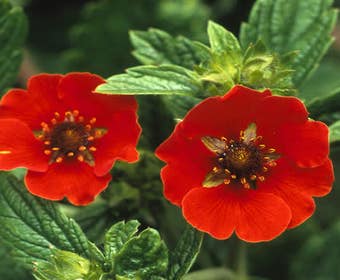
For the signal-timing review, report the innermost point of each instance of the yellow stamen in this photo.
(81, 119)
(54, 121)
(59, 159)
(80, 158)
(82, 148)
(272, 163)
(215, 169)
(47, 152)
(88, 127)
(253, 177)
(233, 176)
(93, 149)
(90, 138)
(243, 181)
(55, 149)
(227, 171)
(47, 142)
(262, 146)
(70, 154)
(5, 152)
(57, 115)
(271, 150)
(246, 186)
(75, 113)
(265, 169)
(261, 178)
(226, 181)
(93, 120)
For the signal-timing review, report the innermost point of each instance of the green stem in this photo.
(241, 269)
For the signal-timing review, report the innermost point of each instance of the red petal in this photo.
(188, 160)
(77, 90)
(219, 211)
(35, 105)
(262, 217)
(277, 110)
(297, 185)
(224, 116)
(19, 147)
(119, 143)
(306, 144)
(75, 181)
(214, 211)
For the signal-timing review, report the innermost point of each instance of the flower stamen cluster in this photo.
(245, 160)
(70, 137)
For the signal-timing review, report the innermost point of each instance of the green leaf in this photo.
(185, 253)
(180, 105)
(13, 30)
(324, 104)
(334, 132)
(221, 40)
(142, 257)
(117, 236)
(290, 25)
(32, 226)
(319, 257)
(157, 47)
(163, 80)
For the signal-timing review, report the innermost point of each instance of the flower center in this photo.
(245, 160)
(70, 137)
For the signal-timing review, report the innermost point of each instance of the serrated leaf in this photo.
(180, 105)
(324, 104)
(185, 253)
(334, 132)
(13, 31)
(162, 80)
(309, 30)
(32, 226)
(157, 47)
(222, 40)
(117, 236)
(143, 257)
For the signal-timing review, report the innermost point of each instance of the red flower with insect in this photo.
(66, 135)
(247, 162)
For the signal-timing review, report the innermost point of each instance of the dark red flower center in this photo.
(244, 160)
(70, 137)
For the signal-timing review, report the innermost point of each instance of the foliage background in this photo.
(78, 35)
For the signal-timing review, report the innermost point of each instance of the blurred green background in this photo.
(78, 35)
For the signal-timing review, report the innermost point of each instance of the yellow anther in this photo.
(82, 148)
(75, 113)
(233, 176)
(215, 169)
(93, 120)
(68, 114)
(43, 124)
(57, 115)
(88, 127)
(47, 142)
(59, 159)
(266, 158)
(5, 152)
(253, 177)
(261, 178)
(227, 171)
(265, 169)
(243, 181)
(226, 181)
(81, 119)
(231, 141)
(80, 158)
(47, 152)
(258, 138)
(272, 163)
(55, 149)
(220, 159)
(271, 150)
(246, 186)
(54, 121)
(93, 149)
(90, 138)
(70, 154)
(262, 146)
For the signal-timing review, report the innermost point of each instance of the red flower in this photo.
(67, 136)
(247, 162)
